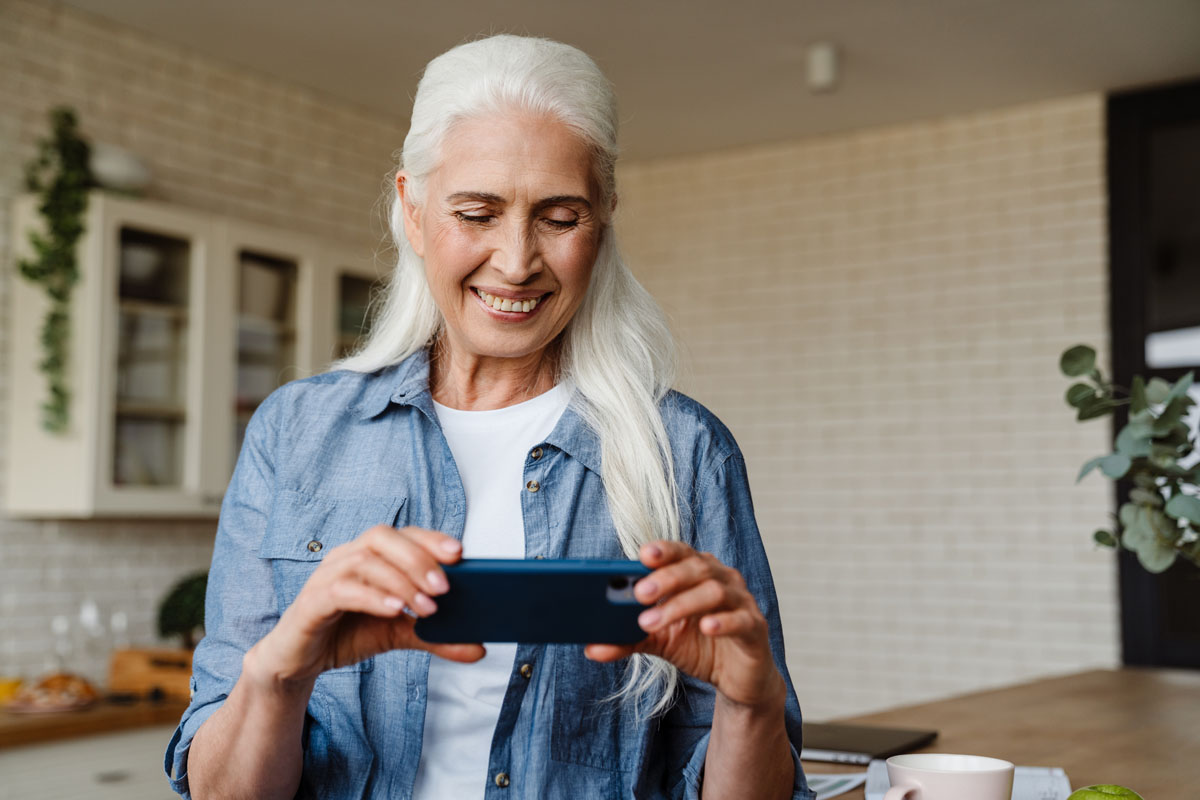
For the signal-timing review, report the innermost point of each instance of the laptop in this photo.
(859, 744)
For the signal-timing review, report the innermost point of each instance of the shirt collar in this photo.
(407, 383)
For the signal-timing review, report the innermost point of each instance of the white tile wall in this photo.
(876, 315)
(217, 138)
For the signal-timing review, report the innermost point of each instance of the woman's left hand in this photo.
(703, 619)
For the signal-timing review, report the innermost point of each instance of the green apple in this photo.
(1104, 792)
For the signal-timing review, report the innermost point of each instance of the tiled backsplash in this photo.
(217, 138)
(877, 316)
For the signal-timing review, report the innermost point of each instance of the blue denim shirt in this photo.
(328, 457)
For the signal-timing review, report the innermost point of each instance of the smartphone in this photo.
(567, 601)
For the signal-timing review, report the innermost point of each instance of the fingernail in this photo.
(649, 619)
(655, 551)
(437, 580)
(451, 546)
(393, 602)
(424, 603)
(647, 588)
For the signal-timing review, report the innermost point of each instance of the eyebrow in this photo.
(488, 197)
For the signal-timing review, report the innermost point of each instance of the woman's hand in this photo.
(351, 608)
(704, 620)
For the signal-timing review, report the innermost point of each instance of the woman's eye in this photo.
(476, 218)
(562, 223)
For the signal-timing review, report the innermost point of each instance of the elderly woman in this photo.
(513, 400)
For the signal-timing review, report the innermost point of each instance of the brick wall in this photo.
(218, 138)
(876, 315)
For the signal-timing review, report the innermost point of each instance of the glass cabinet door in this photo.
(354, 297)
(152, 359)
(266, 332)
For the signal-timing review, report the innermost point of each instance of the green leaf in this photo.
(1181, 386)
(1128, 515)
(1096, 408)
(1115, 466)
(1137, 395)
(1088, 467)
(1157, 391)
(1078, 360)
(1134, 440)
(1170, 416)
(1146, 497)
(1104, 538)
(1079, 395)
(1184, 506)
(1156, 557)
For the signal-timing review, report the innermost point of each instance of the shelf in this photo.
(151, 411)
(255, 324)
(153, 309)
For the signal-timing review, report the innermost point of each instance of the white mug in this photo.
(938, 776)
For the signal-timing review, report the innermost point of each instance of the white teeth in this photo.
(505, 304)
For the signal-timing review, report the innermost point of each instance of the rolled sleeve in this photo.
(723, 524)
(240, 604)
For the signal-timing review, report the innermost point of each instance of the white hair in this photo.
(617, 351)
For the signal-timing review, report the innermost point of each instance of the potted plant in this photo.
(1160, 520)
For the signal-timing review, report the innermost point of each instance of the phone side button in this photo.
(526, 671)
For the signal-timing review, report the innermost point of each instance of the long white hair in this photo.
(617, 351)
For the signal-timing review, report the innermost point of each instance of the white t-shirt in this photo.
(489, 448)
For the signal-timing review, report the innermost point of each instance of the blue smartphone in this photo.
(568, 601)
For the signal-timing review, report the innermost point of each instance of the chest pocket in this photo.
(303, 528)
(588, 730)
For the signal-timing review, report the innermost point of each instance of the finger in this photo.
(462, 653)
(375, 571)
(741, 623)
(605, 653)
(704, 598)
(445, 549)
(663, 552)
(348, 594)
(405, 551)
(675, 578)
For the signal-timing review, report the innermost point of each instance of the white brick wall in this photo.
(217, 138)
(878, 318)
(876, 315)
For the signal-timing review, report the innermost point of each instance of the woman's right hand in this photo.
(351, 608)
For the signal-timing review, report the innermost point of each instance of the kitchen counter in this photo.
(104, 717)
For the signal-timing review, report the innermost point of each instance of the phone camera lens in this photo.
(619, 583)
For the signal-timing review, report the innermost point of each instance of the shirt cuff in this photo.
(175, 760)
(693, 773)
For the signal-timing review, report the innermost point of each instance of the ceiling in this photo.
(695, 75)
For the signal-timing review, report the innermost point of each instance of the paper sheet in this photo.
(827, 786)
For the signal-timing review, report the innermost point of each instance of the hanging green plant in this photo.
(61, 175)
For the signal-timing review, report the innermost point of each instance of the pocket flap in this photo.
(303, 527)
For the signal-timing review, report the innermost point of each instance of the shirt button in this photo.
(536, 454)
(502, 779)
(527, 671)
(533, 486)
(314, 546)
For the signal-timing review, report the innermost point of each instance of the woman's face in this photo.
(509, 232)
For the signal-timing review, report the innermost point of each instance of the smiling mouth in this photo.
(506, 304)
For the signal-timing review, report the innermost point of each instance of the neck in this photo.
(480, 383)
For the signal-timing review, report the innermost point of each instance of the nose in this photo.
(517, 256)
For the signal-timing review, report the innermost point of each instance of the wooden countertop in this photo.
(1135, 727)
(104, 717)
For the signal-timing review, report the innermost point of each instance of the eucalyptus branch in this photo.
(1161, 520)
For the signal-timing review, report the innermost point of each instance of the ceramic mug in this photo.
(938, 776)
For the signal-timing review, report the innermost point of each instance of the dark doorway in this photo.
(1154, 248)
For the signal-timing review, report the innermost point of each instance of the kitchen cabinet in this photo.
(181, 324)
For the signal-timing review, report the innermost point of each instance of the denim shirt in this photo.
(328, 457)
